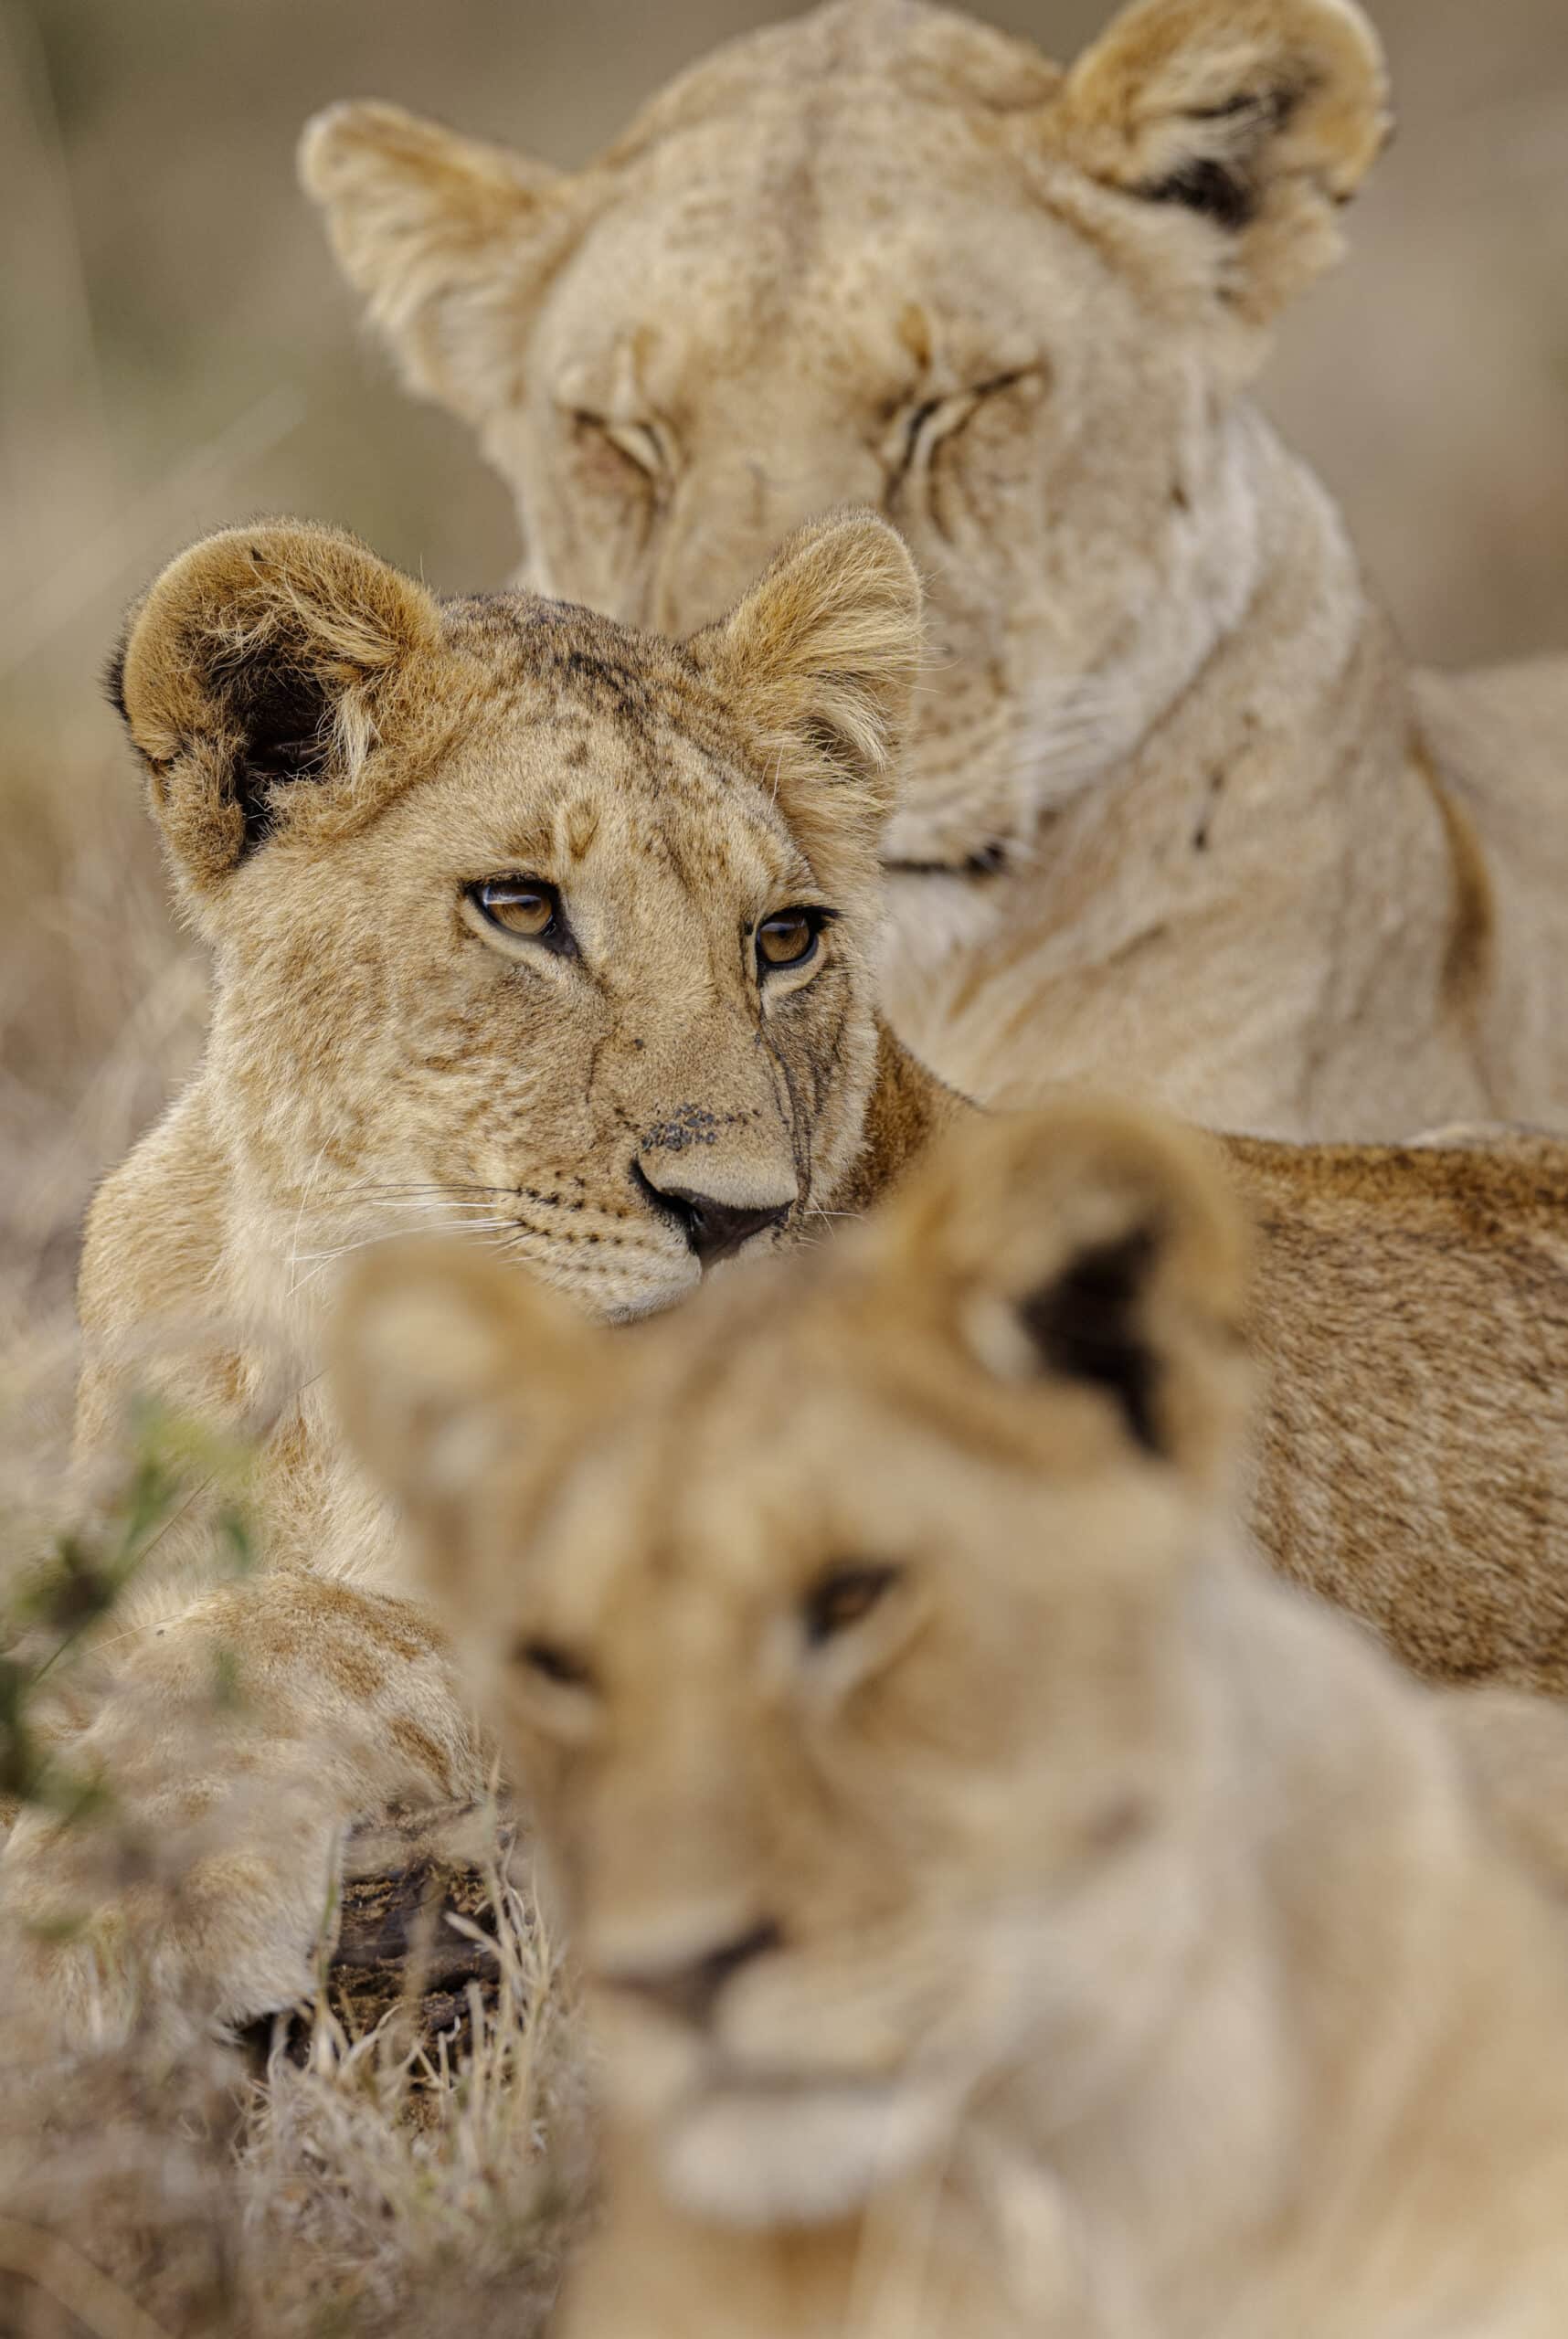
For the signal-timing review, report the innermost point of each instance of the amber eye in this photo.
(552, 1663)
(841, 1598)
(525, 906)
(787, 938)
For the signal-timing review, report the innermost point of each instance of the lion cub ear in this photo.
(1258, 118)
(261, 660)
(451, 1371)
(445, 236)
(818, 663)
(1091, 1247)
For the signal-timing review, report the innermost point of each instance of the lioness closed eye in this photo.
(950, 1811)
(1176, 810)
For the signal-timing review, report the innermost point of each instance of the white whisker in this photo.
(300, 1214)
(436, 1206)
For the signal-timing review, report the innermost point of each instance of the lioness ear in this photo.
(1258, 117)
(261, 658)
(1091, 1245)
(444, 1362)
(819, 662)
(445, 236)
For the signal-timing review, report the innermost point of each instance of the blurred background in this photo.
(176, 351)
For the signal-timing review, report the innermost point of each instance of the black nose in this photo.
(713, 1230)
(689, 1991)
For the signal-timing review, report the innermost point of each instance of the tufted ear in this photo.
(818, 663)
(446, 237)
(448, 1367)
(261, 658)
(1087, 1245)
(1257, 118)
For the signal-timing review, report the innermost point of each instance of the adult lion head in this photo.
(884, 254)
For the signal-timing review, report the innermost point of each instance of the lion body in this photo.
(380, 1056)
(1184, 817)
(1005, 1908)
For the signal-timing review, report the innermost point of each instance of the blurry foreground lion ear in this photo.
(256, 676)
(1086, 1246)
(1257, 118)
(447, 239)
(820, 659)
(444, 1362)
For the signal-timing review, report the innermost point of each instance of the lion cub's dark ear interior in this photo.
(1088, 1322)
(1086, 1246)
(1257, 117)
(261, 658)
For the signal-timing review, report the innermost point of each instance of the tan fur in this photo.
(1178, 815)
(1083, 1886)
(1412, 1318)
(333, 756)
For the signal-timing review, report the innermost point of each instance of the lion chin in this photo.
(759, 2154)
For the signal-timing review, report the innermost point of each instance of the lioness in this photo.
(525, 924)
(1177, 813)
(942, 1801)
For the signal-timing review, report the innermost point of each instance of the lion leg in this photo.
(237, 1745)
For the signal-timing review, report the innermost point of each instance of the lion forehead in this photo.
(653, 832)
(828, 211)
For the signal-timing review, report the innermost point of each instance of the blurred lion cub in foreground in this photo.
(1007, 1907)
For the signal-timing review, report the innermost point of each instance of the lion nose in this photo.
(690, 1990)
(713, 1230)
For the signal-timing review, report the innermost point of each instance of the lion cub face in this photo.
(523, 922)
(837, 1630)
(887, 254)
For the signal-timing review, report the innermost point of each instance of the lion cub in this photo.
(1007, 1908)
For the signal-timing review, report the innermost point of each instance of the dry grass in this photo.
(356, 2170)
(369, 2192)
(173, 353)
